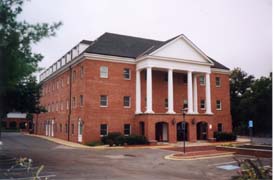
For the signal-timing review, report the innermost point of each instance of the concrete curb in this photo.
(198, 157)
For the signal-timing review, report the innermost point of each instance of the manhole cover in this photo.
(228, 167)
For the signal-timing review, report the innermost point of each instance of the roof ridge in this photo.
(131, 36)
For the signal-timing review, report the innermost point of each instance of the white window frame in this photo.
(201, 104)
(166, 103)
(101, 130)
(106, 101)
(202, 83)
(128, 102)
(218, 108)
(218, 85)
(103, 72)
(129, 73)
(128, 129)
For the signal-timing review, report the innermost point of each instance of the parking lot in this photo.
(70, 163)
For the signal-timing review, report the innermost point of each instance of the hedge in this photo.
(116, 138)
(225, 136)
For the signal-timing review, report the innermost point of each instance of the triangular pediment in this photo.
(181, 48)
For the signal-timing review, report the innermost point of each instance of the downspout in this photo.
(69, 113)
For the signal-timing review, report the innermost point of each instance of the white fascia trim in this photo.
(108, 58)
(189, 42)
(172, 59)
(222, 71)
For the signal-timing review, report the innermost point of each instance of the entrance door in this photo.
(161, 132)
(80, 130)
(202, 131)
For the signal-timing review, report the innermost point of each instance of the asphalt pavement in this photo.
(121, 164)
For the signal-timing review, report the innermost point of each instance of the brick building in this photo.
(133, 85)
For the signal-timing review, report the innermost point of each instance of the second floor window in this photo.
(126, 101)
(73, 75)
(166, 103)
(202, 104)
(202, 80)
(73, 102)
(127, 73)
(185, 103)
(103, 101)
(82, 71)
(218, 105)
(103, 72)
(81, 100)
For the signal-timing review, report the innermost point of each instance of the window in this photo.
(72, 129)
(81, 100)
(202, 104)
(60, 127)
(62, 105)
(57, 106)
(104, 129)
(82, 71)
(126, 101)
(218, 105)
(67, 104)
(66, 130)
(166, 103)
(103, 72)
(185, 104)
(68, 80)
(220, 127)
(73, 102)
(202, 80)
(126, 73)
(103, 101)
(74, 75)
(62, 83)
(218, 81)
(127, 129)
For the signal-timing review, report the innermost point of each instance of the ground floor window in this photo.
(104, 129)
(127, 129)
(66, 128)
(72, 129)
(220, 127)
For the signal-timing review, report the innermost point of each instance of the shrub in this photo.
(118, 139)
(94, 143)
(224, 136)
(135, 140)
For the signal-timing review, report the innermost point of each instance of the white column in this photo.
(208, 94)
(195, 96)
(189, 92)
(170, 92)
(149, 90)
(138, 92)
(52, 128)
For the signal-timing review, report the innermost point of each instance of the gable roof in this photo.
(131, 47)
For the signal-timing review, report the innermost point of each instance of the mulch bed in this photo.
(191, 148)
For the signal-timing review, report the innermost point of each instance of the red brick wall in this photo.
(91, 86)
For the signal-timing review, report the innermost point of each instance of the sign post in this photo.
(250, 126)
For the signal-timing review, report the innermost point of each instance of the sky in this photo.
(236, 33)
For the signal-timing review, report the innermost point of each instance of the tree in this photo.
(251, 99)
(18, 90)
(17, 61)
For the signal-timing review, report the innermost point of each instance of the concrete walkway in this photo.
(159, 146)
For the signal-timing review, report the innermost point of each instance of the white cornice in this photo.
(172, 59)
(222, 71)
(108, 58)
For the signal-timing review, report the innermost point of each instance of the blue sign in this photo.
(250, 123)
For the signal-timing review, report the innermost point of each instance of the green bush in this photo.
(95, 143)
(225, 136)
(135, 140)
(117, 139)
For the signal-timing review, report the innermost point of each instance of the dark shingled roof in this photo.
(217, 64)
(86, 41)
(128, 46)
